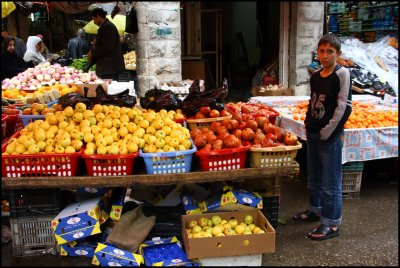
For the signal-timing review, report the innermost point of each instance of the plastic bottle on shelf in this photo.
(333, 26)
(332, 7)
(388, 17)
(343, 7)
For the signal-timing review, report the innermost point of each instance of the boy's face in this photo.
(328, 55)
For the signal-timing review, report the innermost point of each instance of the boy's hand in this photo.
(89, 55)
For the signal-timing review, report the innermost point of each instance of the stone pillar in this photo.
(158, 50)
(306, 30)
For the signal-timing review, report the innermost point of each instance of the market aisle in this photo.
(368, 235)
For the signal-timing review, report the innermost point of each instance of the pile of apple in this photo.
(41, 109)
(216, 226)
(253, 120)
(241, 108)
(207, 112)
(258, 132)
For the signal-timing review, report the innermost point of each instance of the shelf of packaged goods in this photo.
(358, 7)
(149, 180)
(374, 30)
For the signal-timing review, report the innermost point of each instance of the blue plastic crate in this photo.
(49, 104)
(26, 119)
(168, 162)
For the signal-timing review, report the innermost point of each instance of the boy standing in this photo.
(328, 110)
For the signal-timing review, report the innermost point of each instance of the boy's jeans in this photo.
(324, 168)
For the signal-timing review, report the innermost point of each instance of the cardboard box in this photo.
(235, 245)
(81, 250)
(93, 192)
(164, 252)
(189, 203)
(83, 247)
(109, 255)
(231, 199)
(117, 202)
(191, 193)
(286, 92)
(91, 87)
(78, 220)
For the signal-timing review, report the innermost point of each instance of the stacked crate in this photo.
(351, 179)
(31, 212)
(168, 220)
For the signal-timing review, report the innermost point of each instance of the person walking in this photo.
(34, 46)
(77, 46)
(107, 52)
(11, 64)
(328, 110)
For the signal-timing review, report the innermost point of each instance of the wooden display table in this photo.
(148, 180)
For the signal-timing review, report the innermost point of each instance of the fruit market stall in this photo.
(370, 133)
(95, 149)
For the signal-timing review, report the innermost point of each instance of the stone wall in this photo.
(158, 51)
(306, 29)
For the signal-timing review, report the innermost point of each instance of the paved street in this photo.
(368, 235)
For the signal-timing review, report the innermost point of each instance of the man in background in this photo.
(107, 52)
(77, 46)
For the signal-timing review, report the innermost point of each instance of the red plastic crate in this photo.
(39, 165)
(224, 159)
(110, 165)
(13, 123)
(3, 125)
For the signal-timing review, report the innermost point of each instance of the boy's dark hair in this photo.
(331, 39)
(98, 11)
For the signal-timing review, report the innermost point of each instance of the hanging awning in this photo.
(67, 7)
(7, 8)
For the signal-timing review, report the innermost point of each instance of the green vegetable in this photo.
(80, 64)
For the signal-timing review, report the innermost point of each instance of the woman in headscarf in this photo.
(11, 64)
(34, 46)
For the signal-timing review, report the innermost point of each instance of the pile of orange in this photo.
(299, 112)
(366, 115)
(13, 93)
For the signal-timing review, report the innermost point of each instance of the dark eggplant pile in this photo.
(71, 99)
(213, 98)
(122, 99)
(158, 99)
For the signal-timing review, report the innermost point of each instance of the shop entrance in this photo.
(248, 40)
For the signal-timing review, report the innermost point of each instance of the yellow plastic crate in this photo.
(274, 156)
